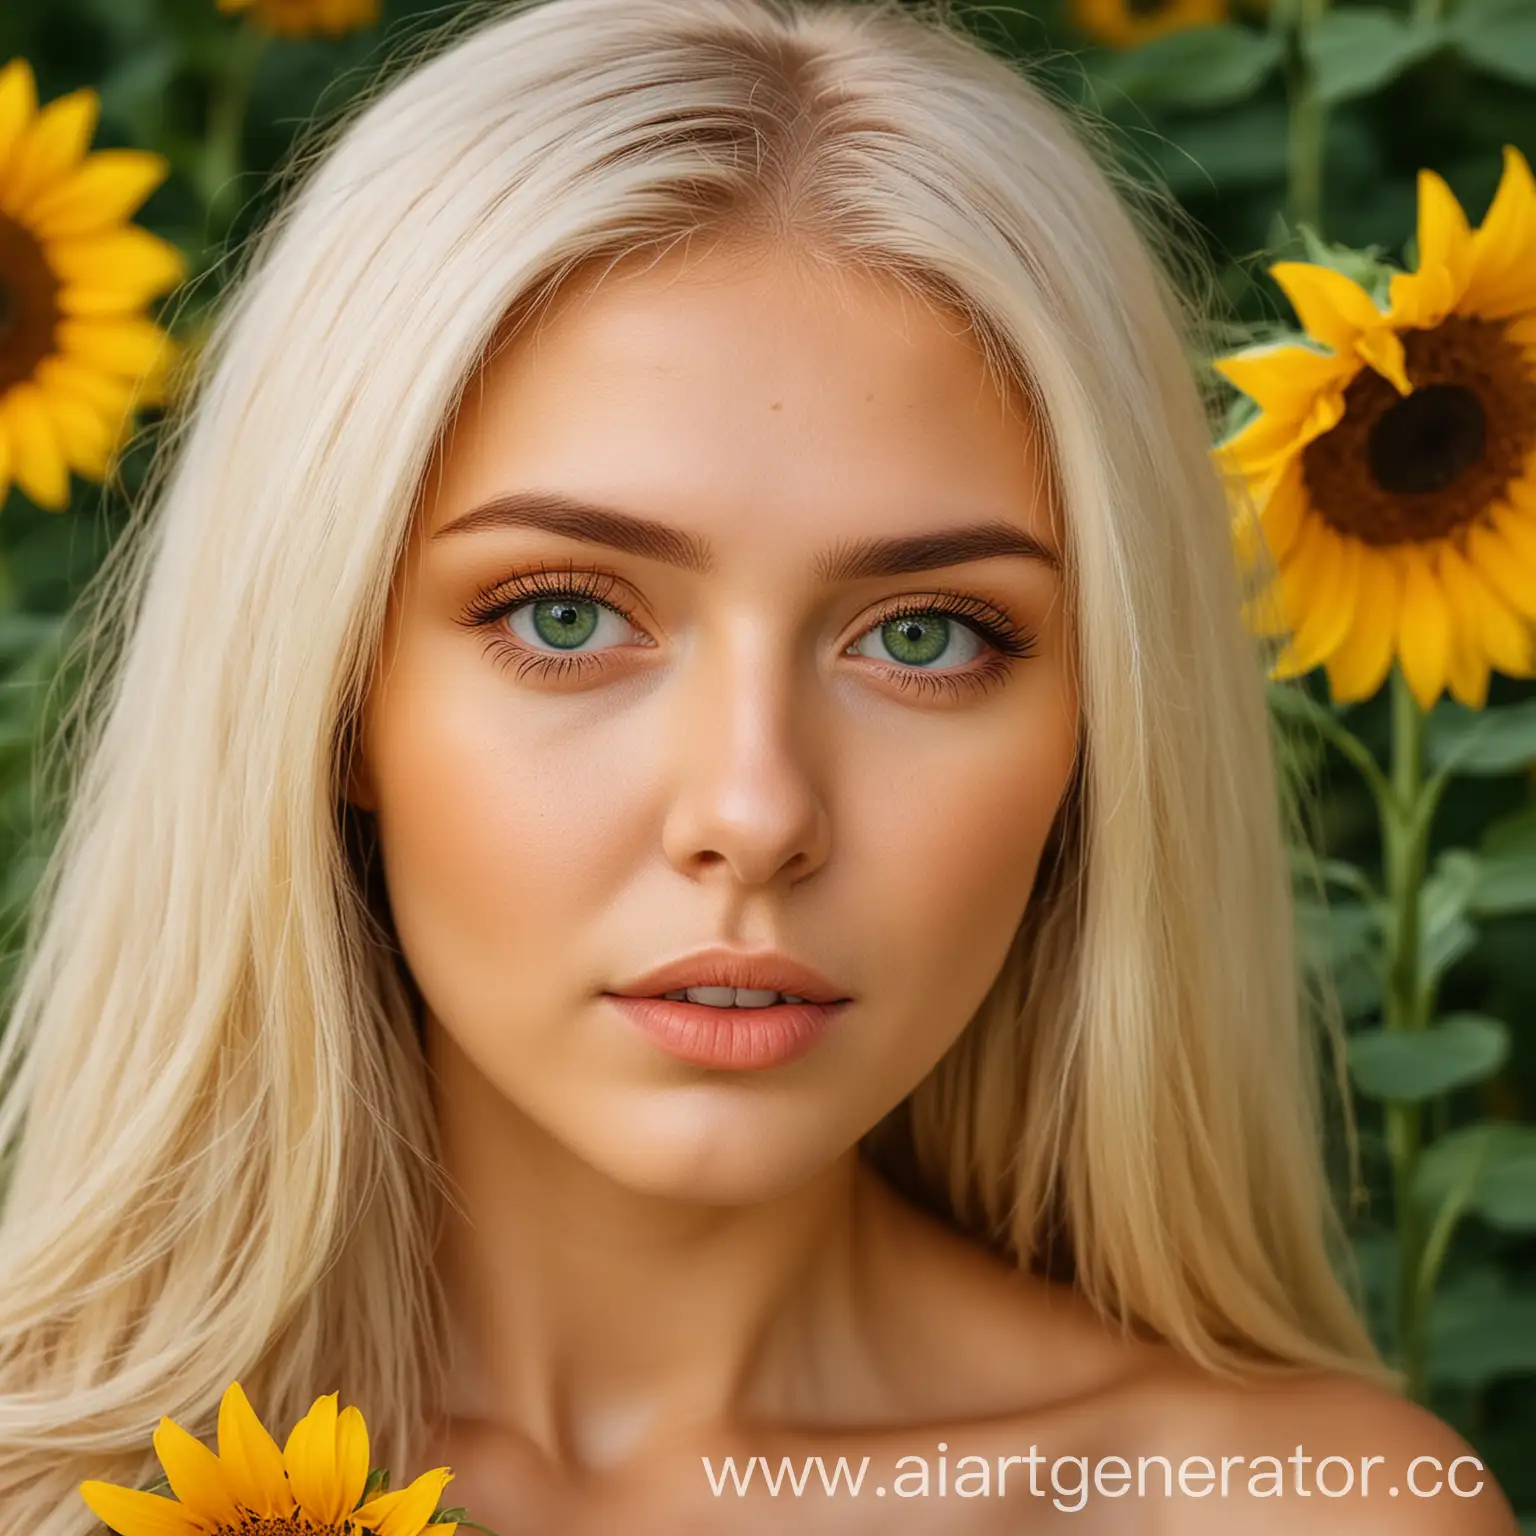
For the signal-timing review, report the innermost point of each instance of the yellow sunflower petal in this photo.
(50, 148)
(1297, 581)
(1284, 380)
(1504, 566)
(1361, 663)
(1303, 561)
(310, 1457)
(1277, 520)
(1383, 350)
(128, 346)
(18, 105)
(1503, 279)
(1467, 672)
(406, 1512)
(1425, 297)
(1481, 613)
(251, 1459)
(1445, 239)
(104, 392)
(195, 1475)
(1517, 526)
(131, 1513)
(109, 186)
(1332, 307)
(85, 437)
(37, 460)
(1424, 630)
(1256, 447)
(351, 1456)
(130, 261)
(1328, 610)
(1284, 509)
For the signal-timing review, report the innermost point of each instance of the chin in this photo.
(712, 1146)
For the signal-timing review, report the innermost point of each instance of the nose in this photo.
(745, 794)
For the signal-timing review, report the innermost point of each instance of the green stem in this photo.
(1426, 12)
(223, 157)
(1405, 819)
(1308, 121)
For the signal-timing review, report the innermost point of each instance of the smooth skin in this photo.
(652, 1262)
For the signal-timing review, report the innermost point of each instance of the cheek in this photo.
(502, 831)
(958, 842)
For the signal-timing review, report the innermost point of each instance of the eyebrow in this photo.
(848, 560)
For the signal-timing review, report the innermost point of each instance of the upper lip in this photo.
(763, 970)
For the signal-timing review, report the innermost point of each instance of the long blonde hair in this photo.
(222, 1150)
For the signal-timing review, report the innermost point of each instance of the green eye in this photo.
(921, 640)
(918, 639)
(565, 622)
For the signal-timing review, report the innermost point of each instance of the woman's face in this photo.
(733, 621)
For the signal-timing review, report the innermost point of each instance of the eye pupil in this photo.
(565, 621)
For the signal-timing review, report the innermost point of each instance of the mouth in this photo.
(733, 1010)
(736, 979)
(731, 997)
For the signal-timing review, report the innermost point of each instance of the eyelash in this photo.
(1008, 640)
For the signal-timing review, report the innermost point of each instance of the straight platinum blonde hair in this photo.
(222, 1149)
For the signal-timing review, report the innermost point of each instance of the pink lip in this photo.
(722, 967)
(740, 1039)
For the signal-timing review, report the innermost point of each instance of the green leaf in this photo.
(1496, 1162)
(1358, 51)
(1505, 884)
(378, 1482)
(1246, 147)
(1195, 67)
(1293, 705)
(1416, 1065)
(1337, 935)
(1368, 268)
(1486, 742)
(1515, 833)
(1498, 36)
(1481, 1329)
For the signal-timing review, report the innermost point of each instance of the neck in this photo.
(595, 1319)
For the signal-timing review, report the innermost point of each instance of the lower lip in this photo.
(739, 1039)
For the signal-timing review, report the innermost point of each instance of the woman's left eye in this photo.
(921, 640)
(566, 623)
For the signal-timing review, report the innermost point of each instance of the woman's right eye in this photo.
(566, 624)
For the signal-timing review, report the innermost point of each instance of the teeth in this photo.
(732, 997)
(715, 997)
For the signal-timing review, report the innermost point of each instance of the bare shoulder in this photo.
(1073, 1415)
(1335, 1454)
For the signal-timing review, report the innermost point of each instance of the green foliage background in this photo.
(1304, 111)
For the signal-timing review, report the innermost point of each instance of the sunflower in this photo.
(305, 18)
(75, 349)
(1127, 23)
(1394, 476)
(250, 1488)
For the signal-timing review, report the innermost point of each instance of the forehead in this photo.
(741, 388)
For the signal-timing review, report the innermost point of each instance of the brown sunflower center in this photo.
(1409, 469)
(1428, 440)
(29, 303)
(285, 1525)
